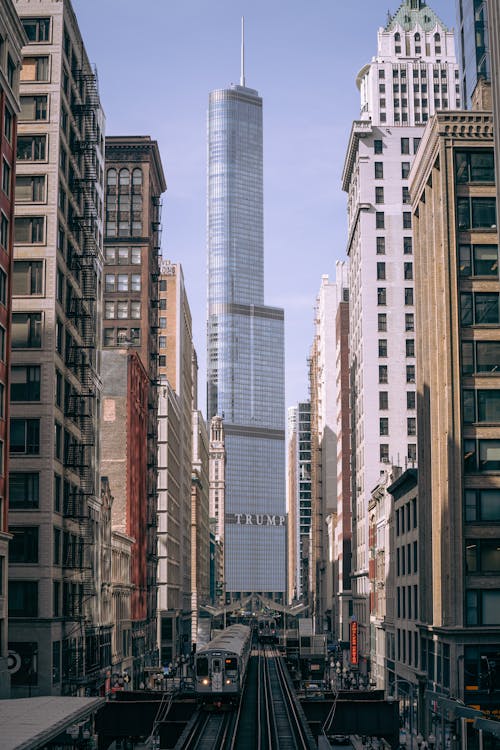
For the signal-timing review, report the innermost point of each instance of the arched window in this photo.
(437, 38)
(137, 177)
(111, 181)
(124, 177)
(417, 37)
(397, 36)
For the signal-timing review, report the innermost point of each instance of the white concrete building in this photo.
(413, 75)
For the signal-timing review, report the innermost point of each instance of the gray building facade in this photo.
(245, 368)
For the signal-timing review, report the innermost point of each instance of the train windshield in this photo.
(216, 666)
(202, 666)
(231, 665)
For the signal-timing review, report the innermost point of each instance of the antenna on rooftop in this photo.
(242, 76)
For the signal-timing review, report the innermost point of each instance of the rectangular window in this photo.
(110, 282)
(27, 277)
(109, 337)
(380, 220)
(383, 426)
(406, 219)
(383, 400)
(25, 436)
(26, 330)
(479, 308)
(6, 177)
(382, 347)
(122, 285)
(31, 147)
(122, 309)
(380, 245)
(405, 169)
(24, 490)
(23, 598)
(33, 108)
(135, 255)
(25, 383)
(35, 68)
(476, 213)
(381, 296)
(410, 399)
(482, 505)
(384, 452)
(37, 29)
(379, 195)
(410, 347)
(482, 607)
(135, 309)
(411, 426)
(488, 406)
(410, 373)
(30, 188)
(23, 547)
(382, 374)
(407, 245)
(379, 170)
(29, 230)
(7, 123)
(378, 146)
(109, 310)
(475, 166)
(405, 145)
(409, 322)
(408, 296)
(4, 231)
(135, 282)
(382, 323)
(478, 260)
(412, 452)
(380, 271)
(123, 256)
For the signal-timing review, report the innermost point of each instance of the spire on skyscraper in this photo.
(242, 74)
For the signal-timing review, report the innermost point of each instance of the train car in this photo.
(220, 667)
(267, 631)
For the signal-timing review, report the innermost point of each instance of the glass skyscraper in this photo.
(473, 47)
(245, 349)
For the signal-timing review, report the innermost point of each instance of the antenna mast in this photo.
(242, 76)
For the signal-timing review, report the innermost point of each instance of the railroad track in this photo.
(210, 731)
(268, 718)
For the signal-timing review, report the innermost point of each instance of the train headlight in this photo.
(228, 682)
(205, 681)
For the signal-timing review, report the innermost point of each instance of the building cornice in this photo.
(456, 125)
(360, 129)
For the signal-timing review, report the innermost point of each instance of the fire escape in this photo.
(81, 357)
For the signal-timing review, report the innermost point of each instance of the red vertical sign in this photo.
(354, 642)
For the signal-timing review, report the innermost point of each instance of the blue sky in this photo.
(158, 59)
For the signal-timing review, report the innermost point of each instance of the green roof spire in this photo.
(413, 12)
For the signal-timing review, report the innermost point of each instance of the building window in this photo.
(482, 505)
(381, 296)
(405, 196)
(25, 383)
(382, 347)
(29, 230)
(35, 69)
(122, 282)
(378, 146)
(24, 546)
(476, 213)
(410, 399)
(33, 108)
(382, 323)
(109, 310)
(135, 309)
(482, 556)
(405, 169)
(25, 436)
(4, 231)
(483, 356)
(408, 271)
(379, 170)
(406, 219)
(380, 271)
(405, 145)
(383, 426)
(412, 451)
(478, 260)
(384, 453)
(379, 195)
(24, 490)
(411, 423)
(408, 296)
(135, 255)
(30, 188)
(109, 335)
(26, 330)
(23, 598)
(110, 282)
(380, 245)
(27, 277)
(407, 245)
(7, 123)
(135, 282)
(6, 177)
(409, 322)
(410, 347)
(479, 308)
(122, 309)
(383, 400)
(482, 607)
(382, 374)
(410, 373)
(37, 29)
(475, 166)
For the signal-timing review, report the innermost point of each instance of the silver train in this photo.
(220, 667)
(267, 631)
